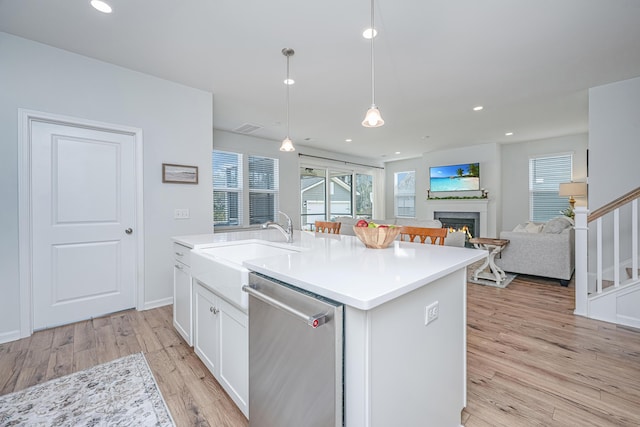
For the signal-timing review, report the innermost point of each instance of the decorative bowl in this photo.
(378, 237)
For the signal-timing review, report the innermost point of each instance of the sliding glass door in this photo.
(327, 193)
(313, 197)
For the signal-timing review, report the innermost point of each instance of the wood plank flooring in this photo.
(530, 361)
(193, 396)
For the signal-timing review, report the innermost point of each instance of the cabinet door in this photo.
(182, 298)
(234, 355)
(206, 339)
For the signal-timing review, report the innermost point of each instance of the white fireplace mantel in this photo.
(461, 205)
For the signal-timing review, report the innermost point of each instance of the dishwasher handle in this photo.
(313, 321)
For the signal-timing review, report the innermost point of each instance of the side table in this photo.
(494, 246)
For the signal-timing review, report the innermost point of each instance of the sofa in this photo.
(540, 249)
(454, 239)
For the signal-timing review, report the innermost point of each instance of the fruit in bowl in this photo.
(376, 236)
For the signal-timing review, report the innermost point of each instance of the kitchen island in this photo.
(398, 370)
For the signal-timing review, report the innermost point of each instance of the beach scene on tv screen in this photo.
(463, 177)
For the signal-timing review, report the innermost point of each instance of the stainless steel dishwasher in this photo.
(296, 348)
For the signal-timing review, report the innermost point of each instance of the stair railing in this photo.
(582, 220)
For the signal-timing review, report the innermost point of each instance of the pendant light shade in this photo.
(287, 143)
(373, 118)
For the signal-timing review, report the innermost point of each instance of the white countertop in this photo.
(341, 268)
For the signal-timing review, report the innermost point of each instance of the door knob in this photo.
(128, 230)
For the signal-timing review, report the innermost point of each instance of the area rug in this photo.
(119, 393)
(473, 267)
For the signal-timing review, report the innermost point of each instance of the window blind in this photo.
(263, 189)
(545, 176)
(227, 188)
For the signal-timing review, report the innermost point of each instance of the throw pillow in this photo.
(557, 225)
(528, 227)
(532, 227)
(520, 228)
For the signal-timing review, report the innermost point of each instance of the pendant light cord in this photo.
(373, 88)
(288, 84)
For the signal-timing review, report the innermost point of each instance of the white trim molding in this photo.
(25, 118)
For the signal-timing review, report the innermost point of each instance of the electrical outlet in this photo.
(181, 213)
(431, 312)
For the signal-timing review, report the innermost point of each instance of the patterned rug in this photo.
(119, 393)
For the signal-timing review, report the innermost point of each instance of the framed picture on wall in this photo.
(179, 174)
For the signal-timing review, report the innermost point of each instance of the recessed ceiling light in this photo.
(348, 140)
(397, 152)
(101, 6)
(508, 134)
(478, 108)
(289, 81)
(367, 33)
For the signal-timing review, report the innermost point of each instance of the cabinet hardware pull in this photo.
(179, 254)
(178, 266)
(214, 310)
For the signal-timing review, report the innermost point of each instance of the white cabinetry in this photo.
(221, 340)
(182, 292)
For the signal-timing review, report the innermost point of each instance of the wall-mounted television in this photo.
(463, 177)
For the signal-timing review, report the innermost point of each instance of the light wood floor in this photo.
(530, 361)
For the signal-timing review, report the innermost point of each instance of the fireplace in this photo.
(459, 220)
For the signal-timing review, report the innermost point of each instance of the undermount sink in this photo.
(220, 267)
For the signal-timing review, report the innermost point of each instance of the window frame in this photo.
(229, 190)
(553, 200)
(245, 190)
(330, 170)
(407, 195)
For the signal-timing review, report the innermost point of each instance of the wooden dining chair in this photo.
(328, 227)
(422, 232)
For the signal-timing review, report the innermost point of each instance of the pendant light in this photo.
(287, 144)
(373, 118)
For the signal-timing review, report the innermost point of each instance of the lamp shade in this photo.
(287, 145)
(373, 118)
(575, 189)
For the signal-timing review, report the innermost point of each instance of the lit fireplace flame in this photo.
(463, 229)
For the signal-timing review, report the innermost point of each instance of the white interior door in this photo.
(83, 193)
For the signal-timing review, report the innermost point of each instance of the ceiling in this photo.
(528, 62)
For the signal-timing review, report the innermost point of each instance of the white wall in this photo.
(515, 172)
(488, 155)
(289, 164)
(177, 128)
(614, 141)
(614, 151)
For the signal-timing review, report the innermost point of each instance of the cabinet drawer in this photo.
(182, 253)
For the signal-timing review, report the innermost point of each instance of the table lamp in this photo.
(572, 189)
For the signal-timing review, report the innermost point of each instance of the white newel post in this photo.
(581, 249)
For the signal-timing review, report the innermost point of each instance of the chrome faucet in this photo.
(288, 232)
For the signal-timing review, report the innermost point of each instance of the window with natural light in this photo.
(263, 189)
(231, 186)
(328, 193)
(545, 176)
(404, 194)
(227, 188)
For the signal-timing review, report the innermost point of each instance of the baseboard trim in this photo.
(148, 305)
(10, 336)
